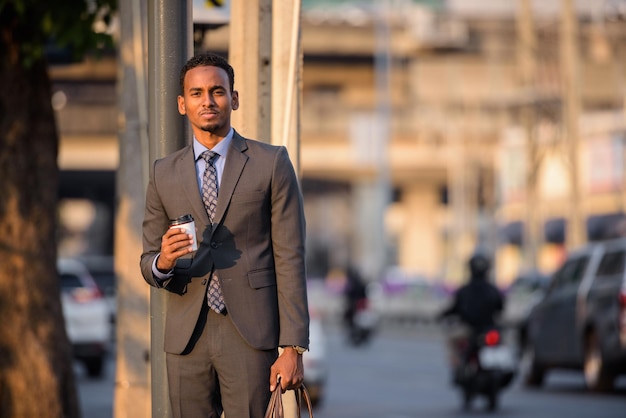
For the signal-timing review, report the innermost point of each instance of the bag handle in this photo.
(303, 393)
(275, 405)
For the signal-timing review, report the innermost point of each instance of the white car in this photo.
(86, 315)
(314, 360)
(101, 268)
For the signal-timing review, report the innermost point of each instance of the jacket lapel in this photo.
(235, 162)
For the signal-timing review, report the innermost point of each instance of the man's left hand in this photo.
(290, 368)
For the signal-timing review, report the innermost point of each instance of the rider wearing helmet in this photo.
(478, 302)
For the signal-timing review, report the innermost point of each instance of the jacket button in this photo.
(214, 244)
(203, 282)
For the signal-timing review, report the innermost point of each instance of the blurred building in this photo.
(417, 130)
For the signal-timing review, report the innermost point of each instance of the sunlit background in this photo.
(429, 130)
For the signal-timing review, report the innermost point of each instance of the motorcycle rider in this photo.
(477, 304)
(355, 299)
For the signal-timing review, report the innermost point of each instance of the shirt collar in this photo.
(221, 147)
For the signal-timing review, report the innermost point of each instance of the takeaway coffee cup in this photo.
(187, 223)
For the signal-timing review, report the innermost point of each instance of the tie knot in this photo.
(209, 156)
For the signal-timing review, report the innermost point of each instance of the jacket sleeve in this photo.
(288, 241)
(154, 226)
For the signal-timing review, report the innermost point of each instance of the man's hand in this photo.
(174, 244)
(289, 366)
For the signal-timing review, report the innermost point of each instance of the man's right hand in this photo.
(174, 244)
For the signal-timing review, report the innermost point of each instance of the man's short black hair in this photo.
(208, 59)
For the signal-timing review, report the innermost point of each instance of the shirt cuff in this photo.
(158, 275)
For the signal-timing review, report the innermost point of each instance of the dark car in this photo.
(581, 322)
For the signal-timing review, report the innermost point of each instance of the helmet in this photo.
(479, 265)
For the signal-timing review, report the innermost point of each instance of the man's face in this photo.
(207, 100)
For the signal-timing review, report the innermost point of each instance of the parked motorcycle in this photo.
(486, 367)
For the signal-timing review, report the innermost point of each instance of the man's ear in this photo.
(181, 105)
(234, 104)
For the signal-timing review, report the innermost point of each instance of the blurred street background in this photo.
(428, 130)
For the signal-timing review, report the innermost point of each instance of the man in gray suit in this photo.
(242, 294)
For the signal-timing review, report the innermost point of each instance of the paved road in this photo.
(403, 374)
(96, 395)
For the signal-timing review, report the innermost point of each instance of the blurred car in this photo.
(521, 296)
(314, 360)
(86, 315)
(403, 297)
(581, 321)
(102, 269)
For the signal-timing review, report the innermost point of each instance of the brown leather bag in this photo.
(275, 405)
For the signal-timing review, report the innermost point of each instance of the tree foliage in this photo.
(36, 373)
(31, 25)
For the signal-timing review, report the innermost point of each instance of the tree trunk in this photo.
(36, 373)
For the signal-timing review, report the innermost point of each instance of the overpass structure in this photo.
(448, 142)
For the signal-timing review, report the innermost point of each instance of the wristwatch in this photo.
(299, 350)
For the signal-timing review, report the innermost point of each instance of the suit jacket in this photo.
(256, 245)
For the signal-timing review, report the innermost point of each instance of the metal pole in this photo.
(378, 247)
(169, 46)
(527, 46)
(570, 67)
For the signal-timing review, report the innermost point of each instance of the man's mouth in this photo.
(208, 115)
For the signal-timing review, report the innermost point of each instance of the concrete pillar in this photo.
(250, 51)
(369, 246)
(132, 373)
(286, 77)
(420, 234)
(266, 59)
(462, 220)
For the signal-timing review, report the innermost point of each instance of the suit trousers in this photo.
(218, 372)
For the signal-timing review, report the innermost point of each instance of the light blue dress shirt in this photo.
(222, 149)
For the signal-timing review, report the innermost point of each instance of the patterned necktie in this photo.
(215, 299)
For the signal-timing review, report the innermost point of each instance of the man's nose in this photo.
(208, 99)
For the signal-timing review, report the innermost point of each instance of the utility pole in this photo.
(570, 70)
(169, 47)
(527, 64)
(372, 195)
